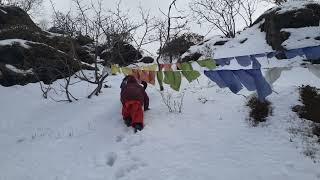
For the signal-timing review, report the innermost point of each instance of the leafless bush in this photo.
(259, 110)
(223, 14)
(173, 101)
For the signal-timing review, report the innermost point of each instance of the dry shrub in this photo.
(310, 98)
(260, 110)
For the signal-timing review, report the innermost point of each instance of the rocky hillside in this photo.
(291, 25)
(28, 54)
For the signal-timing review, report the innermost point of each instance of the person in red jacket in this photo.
(133, 98)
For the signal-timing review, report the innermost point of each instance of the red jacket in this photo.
(134, 91)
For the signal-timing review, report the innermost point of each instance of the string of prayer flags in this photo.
(148, 76)
(142, 75)
(314, 69)
(252, 79)
(223, 61)
(208, 63)
(173, 78)
(153, 67)
(312, 53)
(160, 78)
(188, 72)
(294, 53)
(165, 67)
(115, 69)
(126, 71)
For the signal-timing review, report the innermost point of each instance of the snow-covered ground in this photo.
(211, 139)
(41, 139)
(253, 41)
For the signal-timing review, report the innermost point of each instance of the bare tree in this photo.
(64, 23)
(32, 7)
(114, 27)
(219, 13)
(148, 27)
(248, 9)
(63, 86)
(43, 24)
(279, 2)
(168, 28)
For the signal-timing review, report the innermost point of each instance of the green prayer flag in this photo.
(173, 78)
(160, 78)
(191, 75)
(188, 72)
(208, 63)
(186, 67)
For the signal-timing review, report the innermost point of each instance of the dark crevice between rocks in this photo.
(243, 40)
(220, 43)
(191, 57)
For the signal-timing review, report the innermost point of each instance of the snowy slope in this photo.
(250, 41)
(211, 139)
(86, 140)
(253, 41)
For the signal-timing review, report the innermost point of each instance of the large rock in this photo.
(15, 17)
(16, 24)
(26, 62)
(122, 54)
(147, 60)
(34, 55)
(191, 57)
(59, 42)
(308, 14)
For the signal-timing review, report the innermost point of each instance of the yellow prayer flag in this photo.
(126, 71)
(152, 67)
(115, 69)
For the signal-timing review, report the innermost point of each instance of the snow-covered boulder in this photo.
(16, 24)
(205, 48)
(13, 16)
(23, 62)
(294, 24)
(28, 54)
(121, 53)
(147, 60)
(279, 23)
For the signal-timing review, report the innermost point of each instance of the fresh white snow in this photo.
(250, 41)
(21, 42)
(20, 71)
(3, 11)
(41, 139)
(302, 37)
(294, 5)
(210, 139)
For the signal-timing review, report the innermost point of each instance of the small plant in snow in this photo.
(260, 110)
(174, 102)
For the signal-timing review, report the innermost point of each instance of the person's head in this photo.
(145, 85)
(131, 79)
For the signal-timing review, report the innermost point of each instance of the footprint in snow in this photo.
(112, 157)
(127, 169)
(119, 138)
(134, 141)
(21, 140)
(103, 160)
